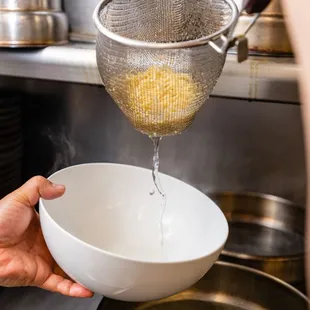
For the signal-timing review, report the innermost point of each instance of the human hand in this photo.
(24, 257)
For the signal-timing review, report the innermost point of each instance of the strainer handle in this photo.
(227, 43)
(221, 49)
(226, 40)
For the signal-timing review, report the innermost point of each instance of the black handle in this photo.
(256, 6)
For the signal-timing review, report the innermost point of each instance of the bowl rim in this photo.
(248, 270)
(218, 248)
(263, 275)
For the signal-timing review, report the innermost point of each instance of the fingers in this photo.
(56, 283)
(58, 271)
(37, 187)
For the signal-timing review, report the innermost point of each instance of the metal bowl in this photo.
(226, 286)
(266, 233)
(29, 29)
(30, 5)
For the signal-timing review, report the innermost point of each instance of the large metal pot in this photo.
(266, 233)
(30, 5)
(32, 28)
(226, 286)
(80, 15)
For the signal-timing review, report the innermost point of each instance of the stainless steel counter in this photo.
(37, 299)
(261, 78)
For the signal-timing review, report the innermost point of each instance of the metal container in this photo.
(32, 28)
(266, 233)
(269, 34)
(30, 5)
(226, 286)
(80, 15)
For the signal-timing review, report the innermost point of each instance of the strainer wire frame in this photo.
(223, 34)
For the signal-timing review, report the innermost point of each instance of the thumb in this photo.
(30, 193)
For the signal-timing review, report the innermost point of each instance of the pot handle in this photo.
(256, 6)
(252, 6)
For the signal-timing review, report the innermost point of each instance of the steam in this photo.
(64, 149)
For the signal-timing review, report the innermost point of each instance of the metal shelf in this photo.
(259, 78)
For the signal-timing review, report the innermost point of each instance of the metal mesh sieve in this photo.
(160, 59)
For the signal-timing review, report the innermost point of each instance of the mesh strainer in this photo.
(160, 59)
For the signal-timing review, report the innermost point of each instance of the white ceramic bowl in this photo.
(105, 233)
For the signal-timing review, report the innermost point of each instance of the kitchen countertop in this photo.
(31, 298)
(258, 78)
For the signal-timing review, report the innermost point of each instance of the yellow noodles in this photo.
(160, 101)
(160, 90)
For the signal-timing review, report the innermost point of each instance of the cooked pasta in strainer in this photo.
(160, 100)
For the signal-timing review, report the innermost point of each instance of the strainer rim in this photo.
(169, 45)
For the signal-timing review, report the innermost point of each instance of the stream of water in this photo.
(156, 179)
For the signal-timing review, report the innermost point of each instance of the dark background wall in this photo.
(232, 145)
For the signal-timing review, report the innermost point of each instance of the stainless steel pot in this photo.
(226, 286)
(29, 29)
(30, 5)
(80, 15)
(266, 233)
